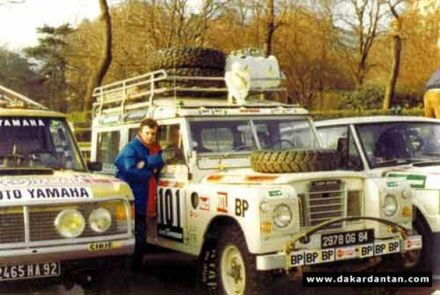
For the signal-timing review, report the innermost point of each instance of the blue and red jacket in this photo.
(136, 164)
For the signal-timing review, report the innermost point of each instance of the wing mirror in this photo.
(94, 166)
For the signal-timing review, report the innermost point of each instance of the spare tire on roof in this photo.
(193, 72)
(295, 160)
(188, 57)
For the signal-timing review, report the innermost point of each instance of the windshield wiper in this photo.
(393, 162)
(228, 153)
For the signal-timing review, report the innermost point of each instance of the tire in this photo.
(194, 72)
(427, 257)
(295, 160)
(188, 57)
(236, 267)
(206, 269)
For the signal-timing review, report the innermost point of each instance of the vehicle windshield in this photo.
(388, 144)
(247, 134)
(37, 143)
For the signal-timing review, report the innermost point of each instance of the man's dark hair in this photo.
(148, 122)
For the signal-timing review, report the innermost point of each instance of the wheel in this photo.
(188, 57)
(294, 160)
(236, 267)
(427, 258)
(206, 269)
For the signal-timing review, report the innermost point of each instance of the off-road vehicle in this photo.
(247, 188)
(402, 147)
(56, 219)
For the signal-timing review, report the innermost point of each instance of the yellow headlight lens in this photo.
(100, 220)
(70, 223)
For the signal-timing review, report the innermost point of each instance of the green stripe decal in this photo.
(415, 181)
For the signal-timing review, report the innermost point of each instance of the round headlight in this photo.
(282, 215)
(100, 220)
(390, 205)
(70, 223)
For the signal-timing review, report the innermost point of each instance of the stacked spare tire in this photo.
(190, 62)
(295, 160)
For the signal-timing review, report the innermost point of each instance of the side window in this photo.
(132, 133)
(108, 143)
(331, 135)
(170, 139)
(340, 139)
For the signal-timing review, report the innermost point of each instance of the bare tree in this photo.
(397, 49)
(362, 18)
(106, 56)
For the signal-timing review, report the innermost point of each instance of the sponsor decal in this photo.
(21, 122)
(415, 181)
(170, 212)
(241, 206)
(45, 193)
(275, 193)
(414, 242)
(392, 184)
(52, 181)
(204, 203)
(100, 246)
(222, 202)
(193, 214)
(378, 248)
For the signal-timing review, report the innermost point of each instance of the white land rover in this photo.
(215, 202)
(401, 147)
(56, 219)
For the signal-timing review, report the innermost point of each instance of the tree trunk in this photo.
(270, 28)
(390, 90)
(106, 57)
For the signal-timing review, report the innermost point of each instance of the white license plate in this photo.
(29, 271)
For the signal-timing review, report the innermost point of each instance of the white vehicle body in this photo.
(286, 220)
(414, 155)
(56, 218)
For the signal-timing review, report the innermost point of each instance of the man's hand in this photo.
(154, 161)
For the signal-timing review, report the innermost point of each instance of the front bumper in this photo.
(113, 247)
(294, 257)
(318, 256)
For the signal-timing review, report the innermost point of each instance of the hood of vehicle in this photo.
(61, 186)
(249, 176)
(419, 177)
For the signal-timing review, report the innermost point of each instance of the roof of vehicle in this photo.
(121, 99)
(14, 104)
(20, 112)
(374, 119)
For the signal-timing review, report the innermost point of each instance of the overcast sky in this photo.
(18, 22)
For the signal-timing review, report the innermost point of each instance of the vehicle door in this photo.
(173, 180)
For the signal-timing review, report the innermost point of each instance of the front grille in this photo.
(42, 223)
(323, 201)
(12, 226)
(41, 219)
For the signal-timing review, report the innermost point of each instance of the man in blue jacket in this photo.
(137, 163)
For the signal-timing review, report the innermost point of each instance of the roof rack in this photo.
(141, 90)
(10, 98)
